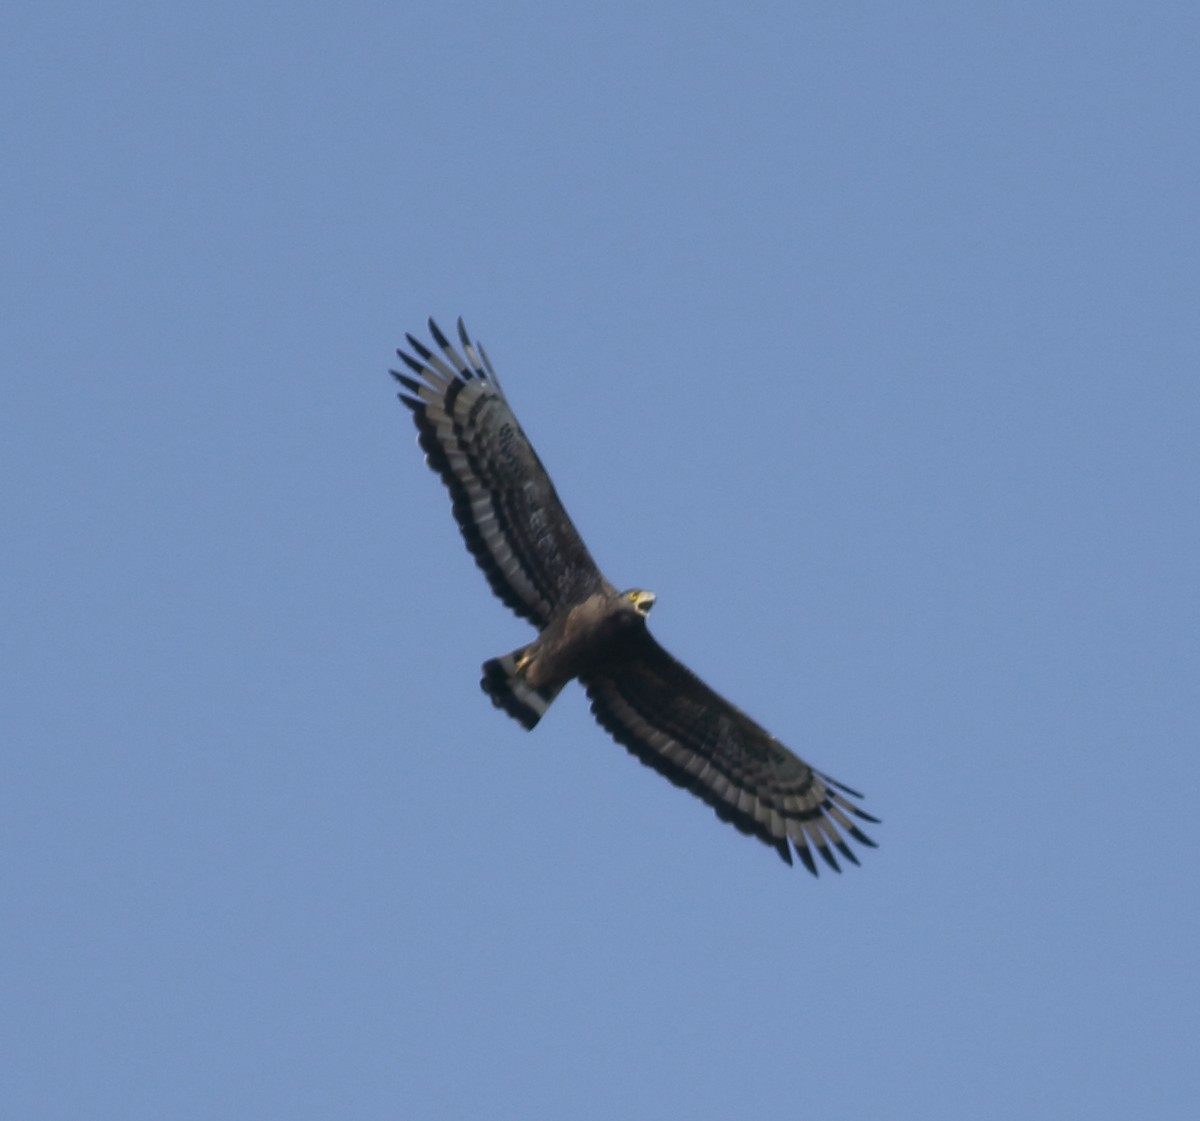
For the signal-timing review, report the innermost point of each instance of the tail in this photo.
(505, 684)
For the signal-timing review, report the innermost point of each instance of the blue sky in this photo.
(865, 335)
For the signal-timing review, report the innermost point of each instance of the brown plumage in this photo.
(516, 528)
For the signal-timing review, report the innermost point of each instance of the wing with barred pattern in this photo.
(670, 720)
(506, 506)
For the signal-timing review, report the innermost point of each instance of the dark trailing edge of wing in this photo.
(438, 337)
(419, 347)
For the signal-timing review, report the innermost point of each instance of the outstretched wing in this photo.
(509, 513)
(666, 716)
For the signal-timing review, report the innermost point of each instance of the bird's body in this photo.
(584, 640)
(516, 527)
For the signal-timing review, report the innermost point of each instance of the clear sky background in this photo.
(868, 336)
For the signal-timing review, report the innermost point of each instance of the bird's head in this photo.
(640, 599)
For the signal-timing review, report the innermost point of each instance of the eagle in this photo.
(516, 528)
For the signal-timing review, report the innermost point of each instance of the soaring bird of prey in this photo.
(536, 562)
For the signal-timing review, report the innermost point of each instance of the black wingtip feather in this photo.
(411, 362)
(842, 787)
(436, 332)
(418, 346)
(406, 381)
(829, 858)
(806, 858)
(861, 837)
